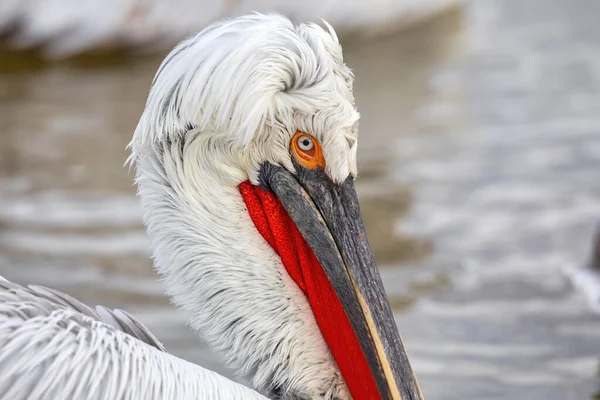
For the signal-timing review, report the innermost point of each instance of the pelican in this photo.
(245, 159)
(63, 28)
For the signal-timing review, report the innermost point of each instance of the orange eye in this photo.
(307, 151)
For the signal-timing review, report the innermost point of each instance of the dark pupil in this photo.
(306, 142)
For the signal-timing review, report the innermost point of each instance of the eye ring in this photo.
(307, 151)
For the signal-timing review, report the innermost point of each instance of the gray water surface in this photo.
(479, 158)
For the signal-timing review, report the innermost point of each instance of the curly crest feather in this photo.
(239, 75)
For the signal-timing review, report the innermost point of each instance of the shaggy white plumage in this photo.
(53, 347)
(222, 103)
(255, 78)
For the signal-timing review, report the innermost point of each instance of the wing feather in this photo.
(32, 298)
(54, 347)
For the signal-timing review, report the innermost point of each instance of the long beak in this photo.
(328, 217)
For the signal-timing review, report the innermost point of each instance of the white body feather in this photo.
(50, 349)
(222, 103)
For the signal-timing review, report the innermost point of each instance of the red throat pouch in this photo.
(279, 230)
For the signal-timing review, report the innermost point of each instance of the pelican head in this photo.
(246, 157)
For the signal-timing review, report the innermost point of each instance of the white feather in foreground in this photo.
(54, 347)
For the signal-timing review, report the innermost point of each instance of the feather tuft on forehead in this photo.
(239, 76)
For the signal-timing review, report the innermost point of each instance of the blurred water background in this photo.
(479, 158)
